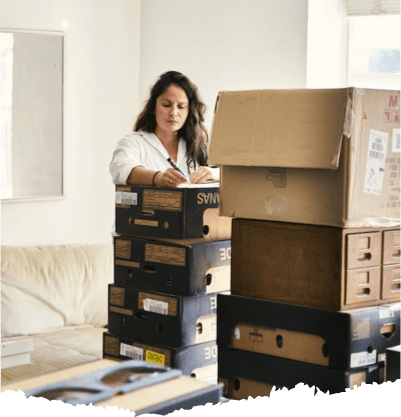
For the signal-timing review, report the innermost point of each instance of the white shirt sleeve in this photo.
(126, 156)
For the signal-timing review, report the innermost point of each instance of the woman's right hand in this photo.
(169, 178)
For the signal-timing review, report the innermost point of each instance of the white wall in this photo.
(224, 44)
(101, 102)
(327, 44)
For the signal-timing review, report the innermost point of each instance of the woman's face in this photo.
(171, 109)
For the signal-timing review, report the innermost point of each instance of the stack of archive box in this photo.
(311, 179)
(172, 256)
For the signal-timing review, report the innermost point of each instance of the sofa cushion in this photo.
(45, 288)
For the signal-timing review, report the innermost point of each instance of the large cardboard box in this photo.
(318, 266)
(324, 156)
(245, 374)
(149, 317)
(131, 385)
(345, 340)
(183, 267)
(199, 361)
(176, 213)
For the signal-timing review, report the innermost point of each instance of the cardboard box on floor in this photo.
(324, 156)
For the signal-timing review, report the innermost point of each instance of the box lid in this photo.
(293, 128)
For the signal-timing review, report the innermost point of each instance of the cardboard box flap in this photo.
(300, 128)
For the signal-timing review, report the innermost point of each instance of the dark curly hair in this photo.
(194, 131)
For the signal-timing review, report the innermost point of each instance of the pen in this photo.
(177, 168)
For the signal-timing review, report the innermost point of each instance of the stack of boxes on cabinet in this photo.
(315, 277)
(172, 256)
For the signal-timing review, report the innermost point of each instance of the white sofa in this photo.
(57, 296)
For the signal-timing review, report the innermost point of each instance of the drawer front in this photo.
(362, 285)
(391, 283)
(363, 250)
(391, 247)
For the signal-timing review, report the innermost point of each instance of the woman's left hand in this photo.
(202, 174)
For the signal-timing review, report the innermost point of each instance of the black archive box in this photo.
(177, 213)
(252, 374)
(195, 360)
(341, 340)
(393, 363)
(151, 317)
(184, 267)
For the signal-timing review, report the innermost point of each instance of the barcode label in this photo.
(131, 352)
(159, 307)
(363, 359)
(375, 163)
(126, 198)
(396, 147)
(386, 314)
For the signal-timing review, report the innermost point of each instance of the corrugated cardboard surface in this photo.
(283, 128)
(285, 157)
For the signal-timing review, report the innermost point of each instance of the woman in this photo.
(169, 126)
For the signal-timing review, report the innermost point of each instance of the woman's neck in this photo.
(170, 142)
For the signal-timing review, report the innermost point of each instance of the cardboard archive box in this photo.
(131, 385)
(314, 156)
(179, 213)
(184, 267)
(318, 266)
(149, 317)
(198, 360)
(343, 340)
(393, 363)
(245, 374)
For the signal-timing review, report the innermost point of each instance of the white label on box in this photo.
(159, 307)
(385, 314)
(126, 198)
(131, 352)
(363, 359)
(375, 163)
(396, 141)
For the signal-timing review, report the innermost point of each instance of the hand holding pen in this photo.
(177, 168)
(201, 175)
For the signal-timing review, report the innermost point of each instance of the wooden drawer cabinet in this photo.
(317, 266)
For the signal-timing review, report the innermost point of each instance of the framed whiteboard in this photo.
(32, 96)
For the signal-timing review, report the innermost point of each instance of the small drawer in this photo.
(362, 285)
(391, 283)
(363, 250)
(391, 247)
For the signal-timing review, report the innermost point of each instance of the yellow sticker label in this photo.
(156, 358)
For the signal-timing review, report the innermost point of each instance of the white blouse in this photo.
(145, 149)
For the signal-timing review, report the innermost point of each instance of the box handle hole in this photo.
(147, 213)
(206, 229)
(237, 384)
(387, 330)
(150, 269)
(326, 350)
(199, 328)
(208, 279)
(279, 341)
(140, 315)
(364, 292)
(365, 257)
(165, 225)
